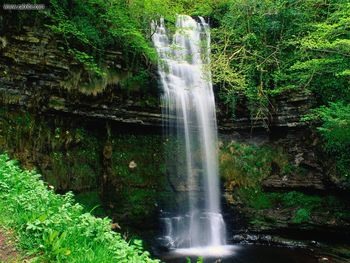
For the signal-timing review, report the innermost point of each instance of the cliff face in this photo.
(36, 72)
(38, 76)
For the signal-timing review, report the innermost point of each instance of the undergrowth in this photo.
(51, 227)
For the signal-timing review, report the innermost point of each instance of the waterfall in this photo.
(190, 121)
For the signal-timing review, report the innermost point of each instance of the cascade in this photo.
(190, 121)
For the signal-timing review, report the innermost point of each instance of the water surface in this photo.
(250, 254)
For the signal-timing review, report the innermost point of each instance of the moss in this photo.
(90, 84)
(68, 157)
(73, 158)
(255, 198)
(301, 215)
(141, 184)
(299, 206)
(243, 168)
(294, 198)
(246, 165)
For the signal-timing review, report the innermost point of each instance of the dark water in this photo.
(253, 254)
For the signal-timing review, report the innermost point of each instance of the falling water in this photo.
(190, 120)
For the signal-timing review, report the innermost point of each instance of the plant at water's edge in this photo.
(52, 228)
(301, 215)
(199, 260)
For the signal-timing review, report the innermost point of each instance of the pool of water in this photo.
(242, 254)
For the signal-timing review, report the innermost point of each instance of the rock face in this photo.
(36, 72)
(301, 147)
(285, 111)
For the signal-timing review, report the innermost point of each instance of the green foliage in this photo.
(254, 198)
(301, 207)
(88, 61)
(335, 130)
(90, 27)
(265, 48)
(71, 159)
(301, 215)
(323, 61)
(246, 165)
(91, 203)
(52, 228)
(140, 188)
(251, 47)
(136, 82)
(292, 199)
(199, 260)
(67, 157)
(336, 125)
(324, 68)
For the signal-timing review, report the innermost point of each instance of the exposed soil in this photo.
(8, 252)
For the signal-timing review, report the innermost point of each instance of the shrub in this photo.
(335, 131)
(301, 215)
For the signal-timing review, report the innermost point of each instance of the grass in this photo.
(53, 228)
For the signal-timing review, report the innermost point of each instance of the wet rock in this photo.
(296, 182)
(286, 111)
(323, 259)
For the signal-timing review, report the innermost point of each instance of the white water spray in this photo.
(189, 109)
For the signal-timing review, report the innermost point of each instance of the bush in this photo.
(335, 130)
(301, 215)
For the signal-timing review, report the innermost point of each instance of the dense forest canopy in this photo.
(260, 49)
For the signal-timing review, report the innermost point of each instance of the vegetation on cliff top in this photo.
(51, 227)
